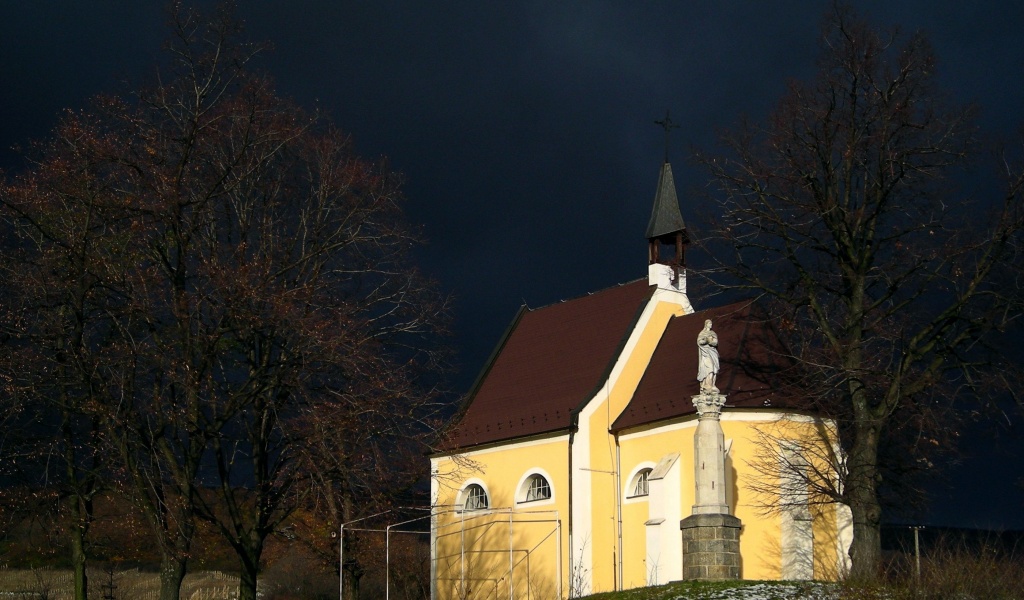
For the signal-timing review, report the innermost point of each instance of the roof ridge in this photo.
(586, 295)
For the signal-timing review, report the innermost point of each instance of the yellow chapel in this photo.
(588, 457)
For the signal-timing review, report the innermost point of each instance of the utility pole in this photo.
(917, 551)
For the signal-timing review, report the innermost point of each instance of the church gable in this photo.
(551, 361)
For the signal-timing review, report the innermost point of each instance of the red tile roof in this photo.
(551, 361)
(750, 373)
(555, 358)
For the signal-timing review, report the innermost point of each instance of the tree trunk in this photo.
(172, 573)
(866, 549)
(81, 508)
(351, 571)
(862, 484)
(78, 555)
(250, 562)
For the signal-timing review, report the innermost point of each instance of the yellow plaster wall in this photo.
(827, 547)
(475, 574)
(826, 544)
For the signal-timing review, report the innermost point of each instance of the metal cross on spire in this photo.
(668, 126)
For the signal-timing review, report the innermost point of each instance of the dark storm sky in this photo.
(525, 129)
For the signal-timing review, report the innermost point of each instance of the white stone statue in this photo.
(707, 359)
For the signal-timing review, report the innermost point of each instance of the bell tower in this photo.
(666, 231)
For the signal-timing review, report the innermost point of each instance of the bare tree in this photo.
(261, 306)
(885, 288)
(60, 317)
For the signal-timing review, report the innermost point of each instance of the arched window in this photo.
(474, 497)
(638, 486)
(537, 488)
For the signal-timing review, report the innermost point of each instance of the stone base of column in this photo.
(711, 547)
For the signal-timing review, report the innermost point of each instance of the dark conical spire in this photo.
(666, 220)
(666, 225)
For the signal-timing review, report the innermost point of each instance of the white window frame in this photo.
(641, 487)
(464, 492)
(631, 481)
(523, 488)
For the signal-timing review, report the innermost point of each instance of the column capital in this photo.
(709, 406)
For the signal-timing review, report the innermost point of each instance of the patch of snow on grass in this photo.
(763, 591)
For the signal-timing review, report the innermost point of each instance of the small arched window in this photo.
(474, 497)
(537, 488)
(638, 487)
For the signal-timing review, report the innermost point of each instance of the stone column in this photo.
(709, 456)
(711, 546)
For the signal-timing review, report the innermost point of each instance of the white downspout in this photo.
(618, 507)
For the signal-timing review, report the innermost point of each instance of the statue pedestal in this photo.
(711, 547)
